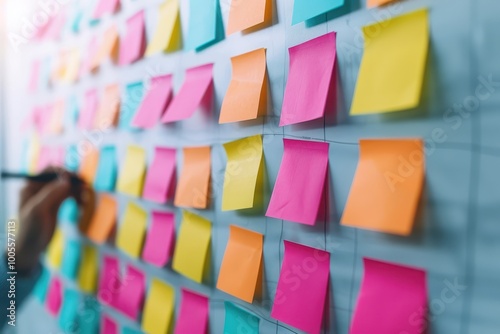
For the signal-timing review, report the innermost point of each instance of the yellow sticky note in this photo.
(87, 274)
(159, 308)
(72, 65)
(167, 36)
(131, 179)
(241, 266)
(393, 66)
(192, 248)
(131, 234)
(33, 154)
(243, 179)
(55, 249)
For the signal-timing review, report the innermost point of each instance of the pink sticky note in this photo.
(87, 115)
(132, 47)
(160, 240)
(109, 282)
(154, 104)
(132, 293)
(193, 317)
(108, 325)
(194, 90)
(310, 80)
(92, 49)
(302, 287)
(300, 184)
(106, 7)
(392, 299)
(54, 296)
(50, 156)
(54, 27)
(34, 77)
(160, 179)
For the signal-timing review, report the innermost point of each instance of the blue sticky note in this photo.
(72, 158)
(205, 24)
(307, 9)
(69, 311)
(68, 211)
(239, 321)
(77, 20)
(127, 330)
(105, 178)
(134, 93)
(42, 285)
(71, 259)
(71, 112)
(89, 316)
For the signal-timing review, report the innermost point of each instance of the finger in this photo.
(87, 208)
(31, 188)
(50, 197)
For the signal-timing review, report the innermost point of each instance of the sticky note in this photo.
(105, 177)
(134, 93)
(54, 296)
(127, 330)
(73, 66)
(55, 249)
(311, 80)
(205, 24)
(192, 248)
(68, 211)
(245, 14)
(42, 285)
(390, 295)
(300, 185)
(87, 275)
(131, 294)
(193, 316)
(56, 125)
(109, 281)
(159, 244)
(106, 7)
(134, 43)
(195, 89)
(243, 178)
(159, 308)
(154, 103)
(132, 172)
(89, 62)
(241, 269)
(104, 219)
(108, 325)
(167, 36)
(302, 287)
(50, 156)
(107, 49)
(307, 9)
(88, 166)
(69, 311)
(374, 3)
(160, 179)
(72, 159)
(109, 108)
(71, 259)
(34, 76)
(246, 97)
(133, 227)
(33, 153)
(87, 114)
(89, 316)
(192, 190)
(392, 69)
(238, 320)
(387, 186)
(71, 113)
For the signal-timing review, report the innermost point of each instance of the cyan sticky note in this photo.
(205, 24)
(68, 320)
(71, 259)
(72, 110)
(131, 101)
(105, 178)
(68, 211)
(238, 320)
(89, 316)
(72, 158)
(127, 330)
(42, 285)
(308, 9)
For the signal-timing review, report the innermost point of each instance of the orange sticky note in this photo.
(240, 272)
(108, 48)
(246, 97)
(193, 187)
(107, 114)
(104, 219)
(374, 3)
(387, 185)
(247, 14)
(88, 166)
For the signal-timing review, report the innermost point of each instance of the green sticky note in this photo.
(205, 24)
(239, 321)
(68, 211)
(42, 285)
(89, 316)
(69, 311)
(71, 259)
(134, 93)
(308, 9)
(105, 178)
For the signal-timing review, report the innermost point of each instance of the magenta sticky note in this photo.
(109, 281)
(131, 295)
(193, 317)
(310, 80)
(160, 240)
(160, 179)
(34, 76)
(392, 299)
(302, 287)
(298, 190)
(50, 156)
(106, 7)
(158, 95)
(133, 45)
(108, 325)
(54, 296)
(88, 112)
(194, 91)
